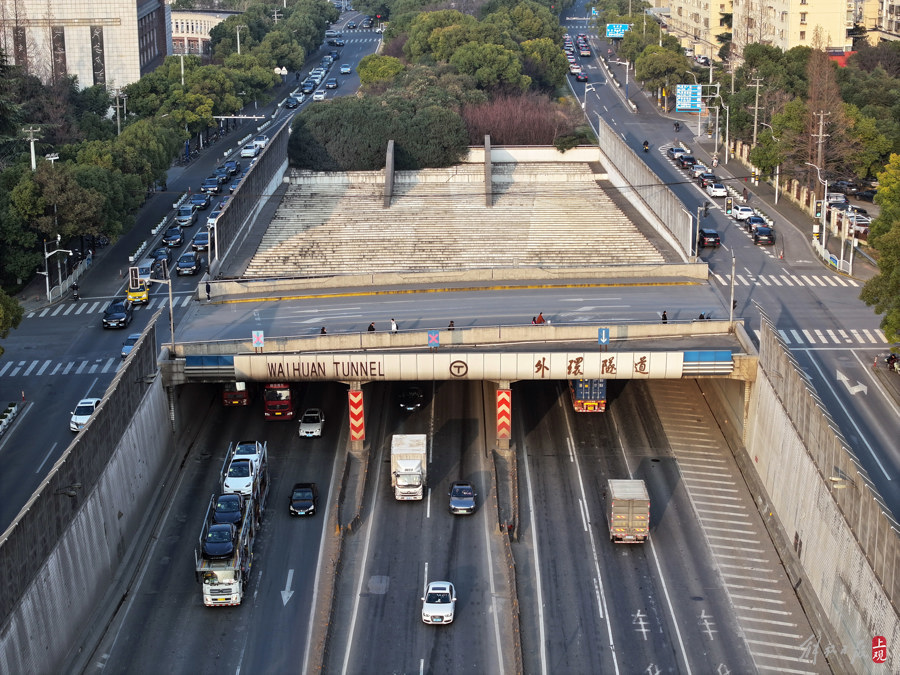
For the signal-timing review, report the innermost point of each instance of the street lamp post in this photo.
(587, 88)
(47, 255)
(824, 202)
(168, 282)
(238, 30)
(778, 166)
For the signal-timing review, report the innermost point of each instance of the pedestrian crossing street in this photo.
(86, 307)
(787, 280)
(831, 336)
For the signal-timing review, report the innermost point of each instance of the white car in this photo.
(83, 412)
(319, 95)
(311, 423)
(251, 450)
(261, 141)
(239, 477)
(250, 150)
(345, 69)
(741, 212)
(439, 602)
(574, 68)
(716, 190)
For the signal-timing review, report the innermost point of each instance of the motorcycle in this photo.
(646, 146)
(75, 295)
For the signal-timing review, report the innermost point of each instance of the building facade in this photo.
(697, 23)
(109, 42)
(190, 29)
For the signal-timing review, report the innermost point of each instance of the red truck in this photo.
(277, 402)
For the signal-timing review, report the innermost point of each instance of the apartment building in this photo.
(110, 42)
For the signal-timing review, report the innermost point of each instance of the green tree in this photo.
(491, 65)
(544, 62)
(374, 68)
(10, 316)
(883, 290)
(659, 67)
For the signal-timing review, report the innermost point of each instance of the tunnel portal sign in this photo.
(447, 365)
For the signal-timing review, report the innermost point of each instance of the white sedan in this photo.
(345, 69)
(439, 602)
(311, 423)
(716, 190)
(741, 212)
(83, 412)
(319, 95)
(251, 150)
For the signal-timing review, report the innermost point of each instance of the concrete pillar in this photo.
(357, 418)
(488, 183)
(389, 174)
(504, 415)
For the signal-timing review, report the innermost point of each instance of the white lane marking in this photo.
(428, 505)
(542, 636)
(584, 518)
(830, 281)
(850, 418)
(46, 457)
(320, 562)
(809, 338)
(784, 336)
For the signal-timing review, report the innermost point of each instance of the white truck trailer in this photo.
(409, 465)
(629, 511)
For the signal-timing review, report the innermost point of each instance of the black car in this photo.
(754, 222)
(219, 541)
(173, 238)
(162, 254)
(351, 25)
(210, 185)
(189, 263)
(304, 499)
(764, 235)
(867, 195)
(291, 102)
(705, 179)
(411, 399)
(708, 237)
(686, 161)
(222, 174)
(334, 54)
(462, 498)
(308, 86)
(229, 509)
(201, 241)
(233, 166)
(118, 314)
(848, 187)
(200, 201)
(331, 83)
(581, 77)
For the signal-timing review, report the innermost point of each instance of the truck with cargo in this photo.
(588, 395)
(628, 512)
(223, 579)
(409, 466)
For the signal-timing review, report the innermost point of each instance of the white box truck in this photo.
(409, 465)
(629, 511)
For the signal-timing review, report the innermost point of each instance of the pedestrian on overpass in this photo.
(665, 317)
(451, 326)
(540, 318)
(208, 291)
(323, 331)
(371, 327)
(393, 325)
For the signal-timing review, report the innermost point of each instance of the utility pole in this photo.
(238, 30)
(820, 142)
(757, 82)
(31, 131)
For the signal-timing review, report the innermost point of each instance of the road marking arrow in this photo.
(287, 592)
(859, 386)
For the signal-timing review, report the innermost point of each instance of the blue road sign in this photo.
(616, 30)
(434, 338)
(688, 97)
(603, 336)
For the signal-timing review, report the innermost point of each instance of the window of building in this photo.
(803, 35)
(802, 17)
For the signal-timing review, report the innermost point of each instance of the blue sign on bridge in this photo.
(603, 336)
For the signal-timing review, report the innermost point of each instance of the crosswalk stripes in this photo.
(88, 307)
(790, 280)
(835, 336)
(49, 367)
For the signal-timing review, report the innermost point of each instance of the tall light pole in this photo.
(238, 29)
(778, 166)
(47, 255)
(168, 282)
(824, 201)
(587, 88)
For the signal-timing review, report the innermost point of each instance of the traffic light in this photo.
(133, 279)
(729, 205)
(705, 209)
(819, 205)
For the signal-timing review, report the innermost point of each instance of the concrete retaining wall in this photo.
(833, 522)
(59, 555)
(283, 288)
